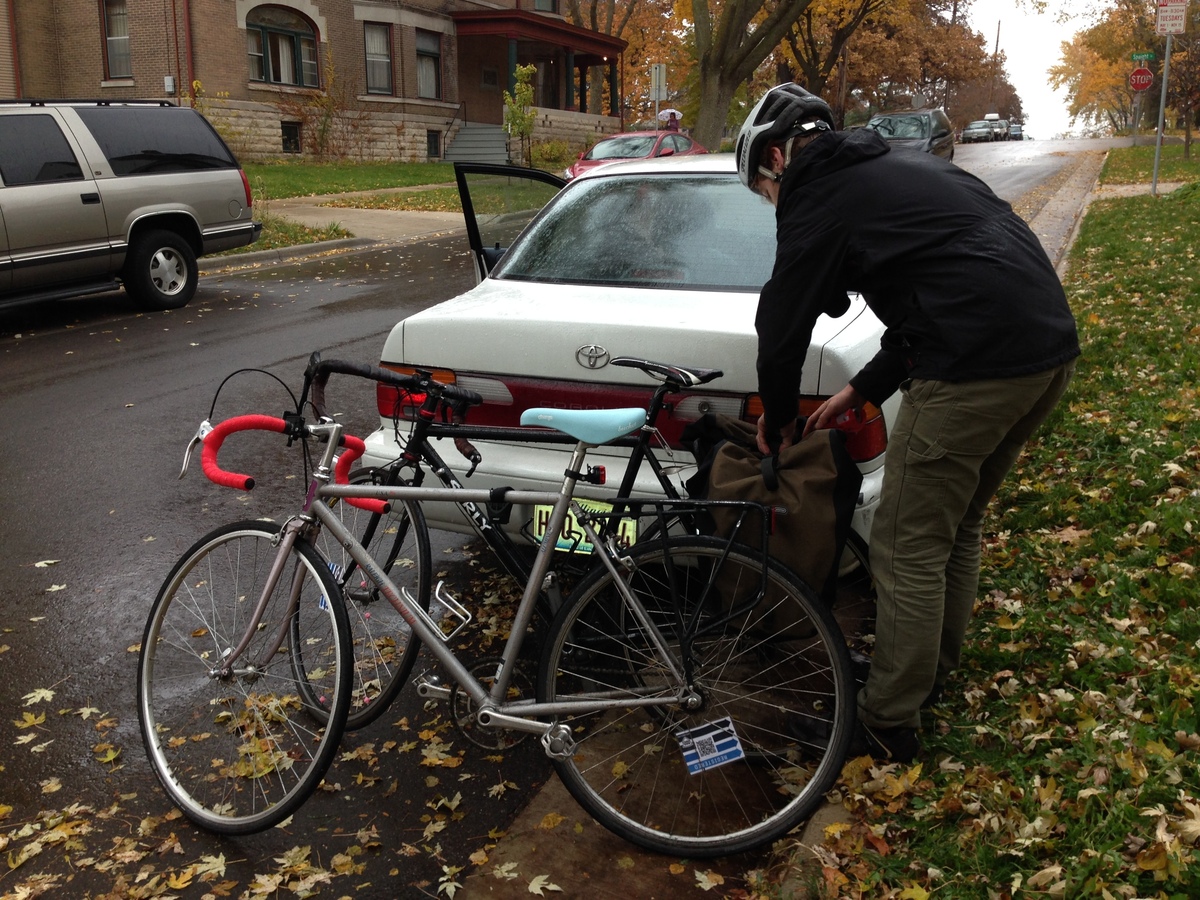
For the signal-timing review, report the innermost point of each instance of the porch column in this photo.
(570, 79)
(614, 105)
(583, 88)
(512, 67)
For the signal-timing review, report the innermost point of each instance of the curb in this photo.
(217, 264)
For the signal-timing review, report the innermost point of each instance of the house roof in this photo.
(589, 47)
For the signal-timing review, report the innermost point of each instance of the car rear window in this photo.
(904, 127)
(156, 139)
(692, 232)
(633, 146)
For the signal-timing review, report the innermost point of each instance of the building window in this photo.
(378, 42)
(291, 136)
(433, 144)
(429, 64)
(490, 78)
(116, 39)
(550, 6)
(282, 47)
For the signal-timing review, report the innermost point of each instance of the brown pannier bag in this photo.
(818, 486)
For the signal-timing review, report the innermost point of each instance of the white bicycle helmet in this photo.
(784, 112)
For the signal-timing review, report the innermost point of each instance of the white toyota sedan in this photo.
(660, 259)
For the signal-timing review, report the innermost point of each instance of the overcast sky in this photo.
(1032, 44)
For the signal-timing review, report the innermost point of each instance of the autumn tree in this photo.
(1095, 65)
(732, 38)
(656, 34)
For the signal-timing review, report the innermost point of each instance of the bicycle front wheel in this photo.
(743, 747)
(384, 646)
(240, 747)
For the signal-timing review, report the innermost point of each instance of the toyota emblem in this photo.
(592, 356)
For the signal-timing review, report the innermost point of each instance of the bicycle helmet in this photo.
(784, 112)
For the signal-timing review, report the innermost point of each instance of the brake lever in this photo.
(201, 434)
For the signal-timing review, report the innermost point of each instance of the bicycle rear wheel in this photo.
(772, 699)
(384, 647)
(241, 752)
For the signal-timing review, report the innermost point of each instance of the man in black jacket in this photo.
(979, 339)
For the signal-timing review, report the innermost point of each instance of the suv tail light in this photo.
(246, 188)
(864, 441)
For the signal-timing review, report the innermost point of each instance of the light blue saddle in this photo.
(592, 426)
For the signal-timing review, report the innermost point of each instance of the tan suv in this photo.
(96, 194)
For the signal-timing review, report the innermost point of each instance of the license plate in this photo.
(572, 531)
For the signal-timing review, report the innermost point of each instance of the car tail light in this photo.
(865, 438)
(246, 188)
(505, 399)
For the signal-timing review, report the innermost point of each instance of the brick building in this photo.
(371, 79)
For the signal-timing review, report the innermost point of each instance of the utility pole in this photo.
(995, 67)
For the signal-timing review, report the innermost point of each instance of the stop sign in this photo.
(1141, 79)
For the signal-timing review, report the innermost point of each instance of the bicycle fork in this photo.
(251, 671)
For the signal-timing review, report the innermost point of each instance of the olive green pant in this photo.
(948, 452)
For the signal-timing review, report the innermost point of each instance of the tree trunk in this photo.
(714, 111)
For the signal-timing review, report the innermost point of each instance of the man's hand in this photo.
(786, 434)
(827, 412)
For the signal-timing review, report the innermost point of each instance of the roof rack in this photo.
(32, 101)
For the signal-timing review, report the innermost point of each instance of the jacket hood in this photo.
(832, 152)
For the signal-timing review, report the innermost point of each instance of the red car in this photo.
(634, 145)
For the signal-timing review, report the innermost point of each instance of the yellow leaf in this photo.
(551, 820)
(181, 880)
(915, 892)
(676, 869)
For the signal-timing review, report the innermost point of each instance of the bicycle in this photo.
(694, 696)
(429, 405)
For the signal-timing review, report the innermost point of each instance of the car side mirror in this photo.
(581, 152)
(941, 133)
(669, 151)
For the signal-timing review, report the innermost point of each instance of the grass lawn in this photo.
(1064, 762)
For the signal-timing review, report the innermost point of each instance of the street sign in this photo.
(1141, 79)
(1172, 17)
(658, 81)
(1147, 56)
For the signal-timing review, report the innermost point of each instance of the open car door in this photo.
(498, 202)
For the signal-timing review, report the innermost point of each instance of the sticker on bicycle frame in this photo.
(572, 531)
(708, 746)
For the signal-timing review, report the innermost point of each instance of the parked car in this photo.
(999, 126)
(977, 132)
(633, 145)
(1016, 132)
(95, 195)
(928, 130)
(660, 259)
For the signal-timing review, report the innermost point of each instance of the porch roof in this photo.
(589, 47)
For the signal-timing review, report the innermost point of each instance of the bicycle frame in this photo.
(493, 710)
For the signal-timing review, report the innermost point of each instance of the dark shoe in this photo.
(899, 744)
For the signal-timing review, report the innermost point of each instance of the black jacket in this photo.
(960, 282)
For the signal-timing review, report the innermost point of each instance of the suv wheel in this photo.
(160, 271)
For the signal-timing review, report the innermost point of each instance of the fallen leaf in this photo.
(44, 563)
(542, 883)
(551, 820)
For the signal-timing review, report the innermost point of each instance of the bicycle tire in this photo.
(774, 663)
(384, 646)
(242, 753)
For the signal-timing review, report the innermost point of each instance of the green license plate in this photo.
(572, 531)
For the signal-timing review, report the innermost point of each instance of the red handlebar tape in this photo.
(215, 438)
